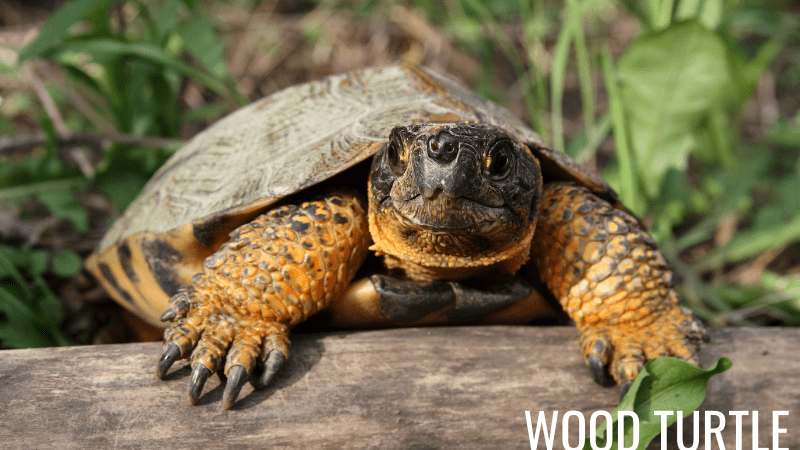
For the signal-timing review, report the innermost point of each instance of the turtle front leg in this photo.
(272, 274)
(609, 277)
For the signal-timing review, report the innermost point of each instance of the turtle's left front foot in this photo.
(610, 278)
(622, 350)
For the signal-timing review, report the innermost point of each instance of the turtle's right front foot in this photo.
(274, 272)
(251, 348)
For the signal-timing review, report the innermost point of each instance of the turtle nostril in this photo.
(442, 149)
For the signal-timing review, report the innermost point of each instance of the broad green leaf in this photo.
(711, 15)
(673, 385)
(37, 260)
(66, 263)
(167, 17)
(669, 81)
(665, 384)
(54, 30)
(203, 43)
(62, 204)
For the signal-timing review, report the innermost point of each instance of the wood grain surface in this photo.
(417, 388)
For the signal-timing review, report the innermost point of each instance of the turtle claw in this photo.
(598, 370)
(237, 375)
(237, 343)
(171, 354)
(178, 307)
(200, 374)
(272, 365)
(597, 354)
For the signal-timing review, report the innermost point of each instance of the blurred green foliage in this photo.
(128, 61)
(30, 311)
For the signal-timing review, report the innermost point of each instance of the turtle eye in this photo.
(395, 156)
(498, 161)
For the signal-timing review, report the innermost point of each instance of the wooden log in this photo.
(456, 387)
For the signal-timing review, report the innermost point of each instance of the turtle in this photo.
(387, 196)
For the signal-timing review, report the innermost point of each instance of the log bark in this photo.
(454, 387)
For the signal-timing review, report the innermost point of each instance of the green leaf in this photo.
(56, 27)
(709, 12)
(153, 54)
(122, 188)
(665, 384)
(167, 17)
(30, 312)
(203, 43)
(37, 260)
(66, 263)
(18, 330)
(63, 205)
(728, 190)
(560, 59)
(25, 190)
(750, 243)
(626, 180)
(670, 206)
(669, 81)
(10, 260)
(775, 225)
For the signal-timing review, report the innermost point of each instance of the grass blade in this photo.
(54, 30)
(627, 176)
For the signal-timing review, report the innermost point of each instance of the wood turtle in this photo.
(269, 215)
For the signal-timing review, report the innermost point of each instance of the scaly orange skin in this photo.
(274, 273)
(609, 277)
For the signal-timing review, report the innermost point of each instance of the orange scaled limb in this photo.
(272, 274)
(611, 280)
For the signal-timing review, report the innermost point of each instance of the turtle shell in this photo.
(277, 146)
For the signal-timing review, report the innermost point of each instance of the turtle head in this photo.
(453, 195)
